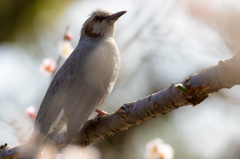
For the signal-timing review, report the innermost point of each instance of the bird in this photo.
(84, 81)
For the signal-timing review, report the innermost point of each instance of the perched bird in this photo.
(84, 81)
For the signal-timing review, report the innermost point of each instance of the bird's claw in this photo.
(100, 113)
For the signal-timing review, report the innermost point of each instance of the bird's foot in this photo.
(100, 113)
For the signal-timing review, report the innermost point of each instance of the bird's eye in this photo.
(96, 18)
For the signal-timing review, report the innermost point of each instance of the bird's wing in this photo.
(56, 95)
(77, 87)
(82, 102)
(86, 90)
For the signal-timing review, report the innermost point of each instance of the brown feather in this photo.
(89, 30)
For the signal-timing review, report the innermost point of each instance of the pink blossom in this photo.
(74, 152)
(60, 156)
(65, 49)
(48, 66)
(68, 36)
(157, 149)
(49, 152)
(31, 112)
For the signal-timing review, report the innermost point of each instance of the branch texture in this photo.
(191, 91)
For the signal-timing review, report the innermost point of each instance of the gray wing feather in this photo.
(86, 91)
(56, 95)
(72, 91)
(80, 109)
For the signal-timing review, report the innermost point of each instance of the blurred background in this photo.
(161, 42)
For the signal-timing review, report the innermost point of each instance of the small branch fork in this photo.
(191, 91)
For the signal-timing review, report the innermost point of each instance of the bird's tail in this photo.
(33, 147)
(29, 152)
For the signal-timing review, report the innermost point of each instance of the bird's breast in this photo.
(103, 61)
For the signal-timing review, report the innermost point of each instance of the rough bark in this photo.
(191, 91)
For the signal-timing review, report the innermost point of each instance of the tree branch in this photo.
(191, 91)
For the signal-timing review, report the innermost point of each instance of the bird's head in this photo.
(101, 23)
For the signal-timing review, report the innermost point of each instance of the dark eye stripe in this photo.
(98, 18)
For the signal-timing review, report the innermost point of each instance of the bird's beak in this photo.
(115, 16)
